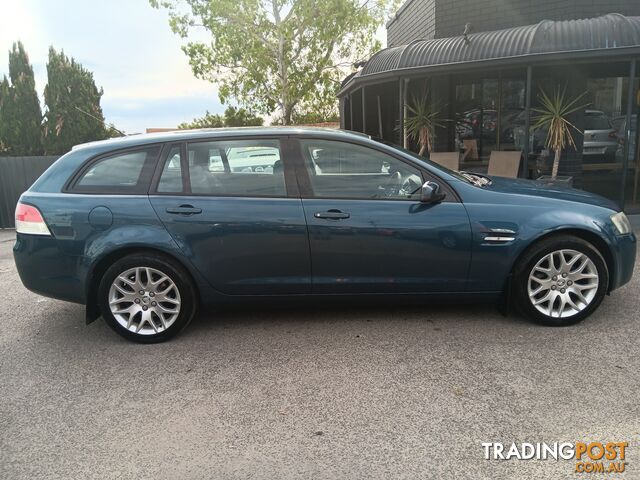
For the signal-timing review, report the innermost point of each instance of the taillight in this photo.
(29, 220)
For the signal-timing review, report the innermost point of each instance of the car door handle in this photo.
(184, 210)
(332, 215)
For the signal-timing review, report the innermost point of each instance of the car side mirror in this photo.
(430, 193)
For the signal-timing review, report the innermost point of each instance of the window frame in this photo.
(144, 178)
(306, 188)
(291, 184)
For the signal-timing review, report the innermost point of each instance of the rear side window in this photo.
(236, 168)
(126, 172)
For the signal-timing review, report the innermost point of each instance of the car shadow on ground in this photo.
(208, 323)
(439, 315)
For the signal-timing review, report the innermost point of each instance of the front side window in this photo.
(345, 170)
(127, 172)
(236, 167)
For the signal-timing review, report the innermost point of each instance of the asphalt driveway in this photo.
(395, 392)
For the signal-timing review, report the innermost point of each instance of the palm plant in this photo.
(422, 122)
(552, 116)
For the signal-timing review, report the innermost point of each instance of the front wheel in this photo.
(560, 281)
(146, 298)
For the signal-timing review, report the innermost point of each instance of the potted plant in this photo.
(553, 117)
(422, 122)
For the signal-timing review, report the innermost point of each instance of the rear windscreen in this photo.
(597, 122)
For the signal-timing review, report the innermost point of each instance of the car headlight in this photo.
(621, 223)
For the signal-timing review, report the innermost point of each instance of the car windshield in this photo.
(467, 177)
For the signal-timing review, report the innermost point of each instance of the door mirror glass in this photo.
(430, 193)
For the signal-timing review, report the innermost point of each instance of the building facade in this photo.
(429, 19)
(486, 85)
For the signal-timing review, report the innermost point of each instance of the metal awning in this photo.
(611, 35)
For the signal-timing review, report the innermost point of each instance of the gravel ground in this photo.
(396, 392)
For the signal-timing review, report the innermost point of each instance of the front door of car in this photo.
(236, 214)
(368, 230)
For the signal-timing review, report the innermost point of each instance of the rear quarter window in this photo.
(122, 172)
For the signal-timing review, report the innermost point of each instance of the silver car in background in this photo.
(600, 138)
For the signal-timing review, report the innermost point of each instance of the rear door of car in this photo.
(232, 205)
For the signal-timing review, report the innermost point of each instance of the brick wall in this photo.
(418, 19)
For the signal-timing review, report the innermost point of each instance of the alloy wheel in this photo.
(144, 300)
(563, 283)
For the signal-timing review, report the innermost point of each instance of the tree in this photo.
(209, 120)
(4, 106)
(309, 117)
(552, 116)
(233, 117)
(288, 55)
(422, 121)
(239, 117)
(20, 113)
(73, 113)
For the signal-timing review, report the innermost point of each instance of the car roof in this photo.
(205, 133)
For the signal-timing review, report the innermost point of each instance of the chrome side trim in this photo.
(499, 239)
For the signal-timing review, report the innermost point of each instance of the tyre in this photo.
(147, 297)
(560, 281)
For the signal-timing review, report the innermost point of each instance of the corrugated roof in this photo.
(606, 32)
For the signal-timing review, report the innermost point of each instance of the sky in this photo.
(128, 46)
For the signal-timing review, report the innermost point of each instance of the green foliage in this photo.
(288, 55)
(552, 116)
(310, 117)
(323, 109)
(5, 105)
(422, 121)
(239, 117)
(73, 113)
(209, 120)
(20, 114)
(233, 117)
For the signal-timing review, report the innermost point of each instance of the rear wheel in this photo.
(560, 281)
(146, 298)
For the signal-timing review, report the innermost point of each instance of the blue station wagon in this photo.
(143, 230)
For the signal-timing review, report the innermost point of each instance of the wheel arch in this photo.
(100, 267)
(590, 236)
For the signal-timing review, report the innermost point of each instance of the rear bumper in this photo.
(625, 259)
(46, 269)
(599, 148)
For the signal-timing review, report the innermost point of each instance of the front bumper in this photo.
(46, 269)
(624, 259)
